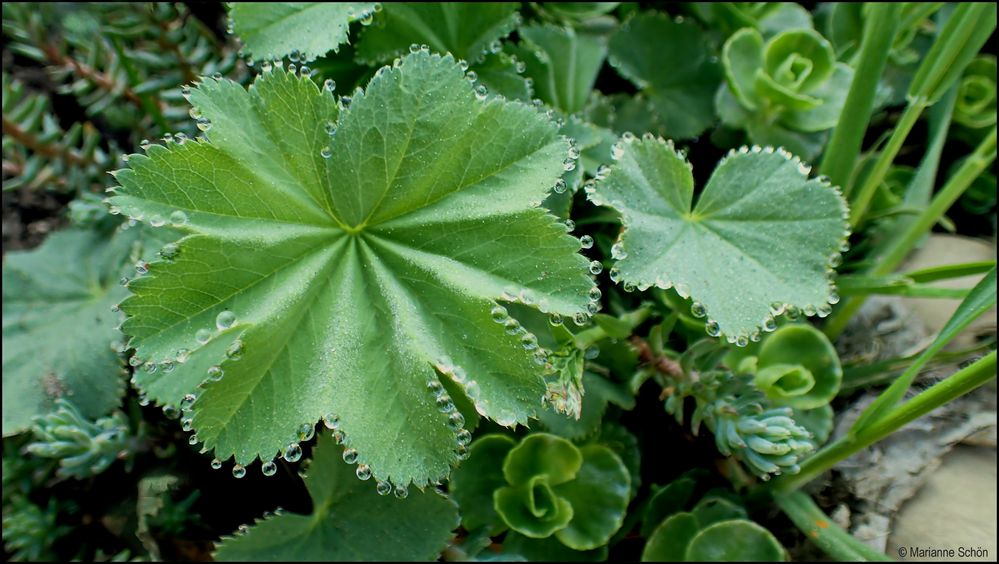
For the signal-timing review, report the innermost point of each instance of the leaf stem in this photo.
(848, 136)
(823, 531)
(958, 384)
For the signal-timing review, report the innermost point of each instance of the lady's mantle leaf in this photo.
(562, 63)
(466, 30)
(272, 30)
(761, 238)
(349, 522)
(347, 286)
(58, 325)
(671, 62)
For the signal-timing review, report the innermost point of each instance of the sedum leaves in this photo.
(761, 238)
(362, 287)
(349, 521)
(58, 325)
(272, 30)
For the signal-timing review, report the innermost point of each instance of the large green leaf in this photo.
(362, 286)
(761, 238)
(272, 30)
(350, 521)
(58, 326)
(671, 62)
(562, 62)
(468, 31)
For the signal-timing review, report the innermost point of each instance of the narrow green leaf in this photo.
(350, 521)
(824, 532)
(272, 30)
(980, 300)
(760, 238)
(354, 284)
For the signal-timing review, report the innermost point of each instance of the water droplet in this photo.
(586, 242)
(401, 492)
(444, 403)
(615, 274)
(618, 252)
(581, 318)
(188, 401)
(414, 48)
(149, 367)
(203, 336)
(178, 218)
(481, 92)
(712, 328)
(512, 326)
(215, 373)
(171, 412)
(573, 152)
(216, 464)
(741, 341)
(235, 350)
(331, 421)
(456, 420)
(326, 152)
(183, 355)
(268, 468)
(203, 124)
(367, 18)
(141, 267)
(168, 366)
(833, 298)
(292, 453)
(350, 456)
(499, 314)
(697, 310)
(192, 440)
(238, 471)
(596, 267)
(769, 325)
(306, 432)
(383, 488)
(187, 424)
(434, 385)
(471, 76)
(529, 341)
(464, 437)
(555, 319)
(169, 251)
(144, 144)
(363, 472)
(217, 76)
(569, 165)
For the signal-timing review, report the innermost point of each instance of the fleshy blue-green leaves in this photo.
(350, 521)
(345, 262)
(467, 31)
(761, 238)
(548, 488)
(672, 64)
(562, 63)
(782, 90)
(58, 327)
(272, 30)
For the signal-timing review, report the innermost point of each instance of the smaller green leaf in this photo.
(542, 454)
(819, 422)
(599, 393)
(58, 327)
(501, 74)
(785, 381)
(601, 491)
(760, 239)
(668, 542)
(473, 483)
(467, 31)
(832, 97)
(273, 30)
(350, 521)
(735, 541)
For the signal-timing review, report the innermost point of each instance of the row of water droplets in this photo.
(363, 471)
